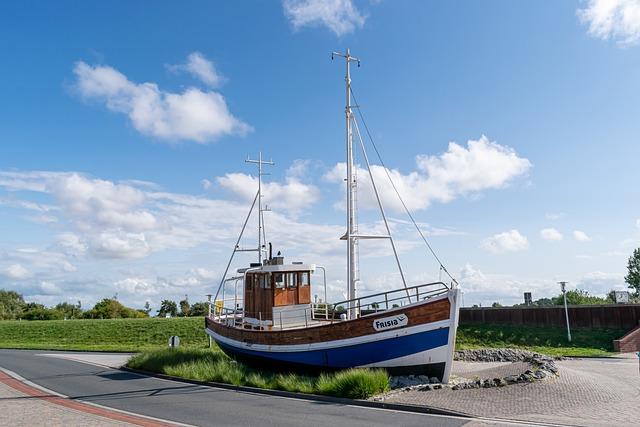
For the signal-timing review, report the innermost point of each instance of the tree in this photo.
(147, 308)
(633, 276)
(110, 308)
(579, 297)
(35, 311)
(168, 307)
(185, 307)
(199, 309)
(68, 310)
(11, 304)
(496, 305)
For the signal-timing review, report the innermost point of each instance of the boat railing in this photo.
(297, 317)
(374, 303)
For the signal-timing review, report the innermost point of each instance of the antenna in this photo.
(261, 235)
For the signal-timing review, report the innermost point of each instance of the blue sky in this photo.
(124, 127)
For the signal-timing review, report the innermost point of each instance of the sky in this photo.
(509, 128)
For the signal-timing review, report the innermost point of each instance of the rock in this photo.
(423, 379)
(437, 386)
(511, 379)
(434, 380)
(426, 387)
(540, 374)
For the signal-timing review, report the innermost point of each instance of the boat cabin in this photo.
(277, 294)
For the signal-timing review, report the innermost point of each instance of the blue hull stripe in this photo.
(354, 355)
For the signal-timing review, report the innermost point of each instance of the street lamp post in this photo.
(209, 314)
(563, 286)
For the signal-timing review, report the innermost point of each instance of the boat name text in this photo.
(392, 322)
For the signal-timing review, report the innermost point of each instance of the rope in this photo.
(406, 209)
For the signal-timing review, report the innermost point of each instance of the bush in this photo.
(354, 383)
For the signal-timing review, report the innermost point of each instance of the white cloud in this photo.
(192, 115)
(600, 283)
(120, 245)
(339, 16)
(136, 286)
(550, 234)
(17, 271)
(508, 241)
(206, 184)
(638, 223)
(201, 68)
(613, 19)
(48, 288)
(292, 196)
(460, 171)
(479, 287)
(581, 236)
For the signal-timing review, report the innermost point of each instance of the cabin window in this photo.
(279, 280)
(304, 278)
(264, 281)
(292, 280)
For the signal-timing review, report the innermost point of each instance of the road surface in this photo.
(198, 405)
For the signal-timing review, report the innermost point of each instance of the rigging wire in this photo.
(386, 170)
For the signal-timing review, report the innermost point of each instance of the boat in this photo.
(270, 321)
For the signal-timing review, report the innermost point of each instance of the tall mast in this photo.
(352, 226)
(260, 162)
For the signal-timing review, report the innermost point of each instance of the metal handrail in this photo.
(328, 312)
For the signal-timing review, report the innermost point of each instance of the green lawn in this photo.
(132, 335)
(551, 341)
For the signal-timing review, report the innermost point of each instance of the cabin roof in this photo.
(279, 268)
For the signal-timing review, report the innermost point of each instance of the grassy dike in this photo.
(123, 335)
(134, 335)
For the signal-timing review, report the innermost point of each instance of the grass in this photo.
(213, 365)
(124, 335)
(133, 335)
(552, 341)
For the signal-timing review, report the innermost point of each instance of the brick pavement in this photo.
(588, 392)
(26, 411)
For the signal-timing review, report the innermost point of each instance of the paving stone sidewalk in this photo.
(22, 410)
(588, 392)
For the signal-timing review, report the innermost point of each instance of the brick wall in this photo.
(628, 343)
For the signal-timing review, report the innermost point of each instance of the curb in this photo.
(305, 396)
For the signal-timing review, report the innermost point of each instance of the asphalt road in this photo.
(196, 405)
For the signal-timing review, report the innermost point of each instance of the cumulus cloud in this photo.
(460, 171)
(194, 115)
(613, 19)
(293, 195)
(601, 283)
(486, 288)
(581, 236)
(508, 241)
(339, 16)
(201, 68)
(550, 234)
(17, 272)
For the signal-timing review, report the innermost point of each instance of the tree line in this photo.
(14, 307)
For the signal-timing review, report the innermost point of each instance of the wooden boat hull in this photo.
(421, 342)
